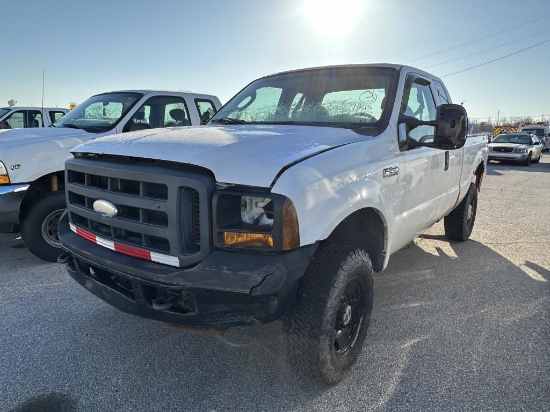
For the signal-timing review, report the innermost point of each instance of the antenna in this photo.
(42, 91)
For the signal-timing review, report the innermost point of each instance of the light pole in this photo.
(498, 116)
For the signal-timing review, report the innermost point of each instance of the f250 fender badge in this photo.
(15, 167)
(390, 171)
(105, 208)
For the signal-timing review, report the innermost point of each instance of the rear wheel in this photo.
(460, 222)
(39, 229)
(327, 326)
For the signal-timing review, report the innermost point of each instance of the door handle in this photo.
(446, 160)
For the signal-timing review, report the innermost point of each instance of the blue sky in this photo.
(217, 47)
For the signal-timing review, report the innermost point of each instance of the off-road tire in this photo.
(310, 326)
(460, 222)
(39, 228)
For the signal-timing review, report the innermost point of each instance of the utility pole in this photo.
(498, 116)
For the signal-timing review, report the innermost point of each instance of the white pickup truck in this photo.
(301, 187)
(19, 117)
(32, 161)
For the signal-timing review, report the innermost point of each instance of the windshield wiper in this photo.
(71, 125)
(228, 120)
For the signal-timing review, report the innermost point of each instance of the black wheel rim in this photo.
(349, 316)
(50, 228)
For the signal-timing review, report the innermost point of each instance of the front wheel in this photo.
(460, 222)
(39, 228)
(527, 162)
(326, 328)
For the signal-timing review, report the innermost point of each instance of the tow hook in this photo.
(164, 302)
(65, 258)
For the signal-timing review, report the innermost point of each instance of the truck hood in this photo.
(17, 137)
(249, 155)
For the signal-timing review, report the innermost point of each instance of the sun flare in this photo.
(332, 18)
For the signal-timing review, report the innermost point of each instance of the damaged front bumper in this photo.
(225, 289)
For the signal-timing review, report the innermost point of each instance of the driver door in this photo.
(423, 166)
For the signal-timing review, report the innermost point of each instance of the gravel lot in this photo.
(456, 327)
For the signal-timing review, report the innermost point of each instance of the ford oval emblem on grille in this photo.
(105, 208)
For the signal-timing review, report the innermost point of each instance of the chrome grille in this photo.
(503, 149)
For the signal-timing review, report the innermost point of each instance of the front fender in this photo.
(327, 188)
(321, 216)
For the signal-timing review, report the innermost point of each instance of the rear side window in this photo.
(34, 118)
(206, 109)
(55, 116)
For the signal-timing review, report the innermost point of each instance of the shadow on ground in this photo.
(456, 326)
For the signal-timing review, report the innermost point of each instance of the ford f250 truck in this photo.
(32, 161)
(300, 189)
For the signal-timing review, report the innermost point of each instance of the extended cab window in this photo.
(206, 109)
(418, 102)
(34, 118)
(55, 116)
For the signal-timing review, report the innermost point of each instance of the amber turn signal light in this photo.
(291, 230)
(251, 240)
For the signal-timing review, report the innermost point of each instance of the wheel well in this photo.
(364, 229)
(480, 171)
(49, 183)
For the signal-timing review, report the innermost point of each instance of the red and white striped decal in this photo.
(125, 249)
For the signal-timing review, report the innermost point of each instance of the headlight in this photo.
(253, 221)
(4, 178)
(520, 150)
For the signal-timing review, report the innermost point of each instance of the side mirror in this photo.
(452, 121)
(450, 125)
